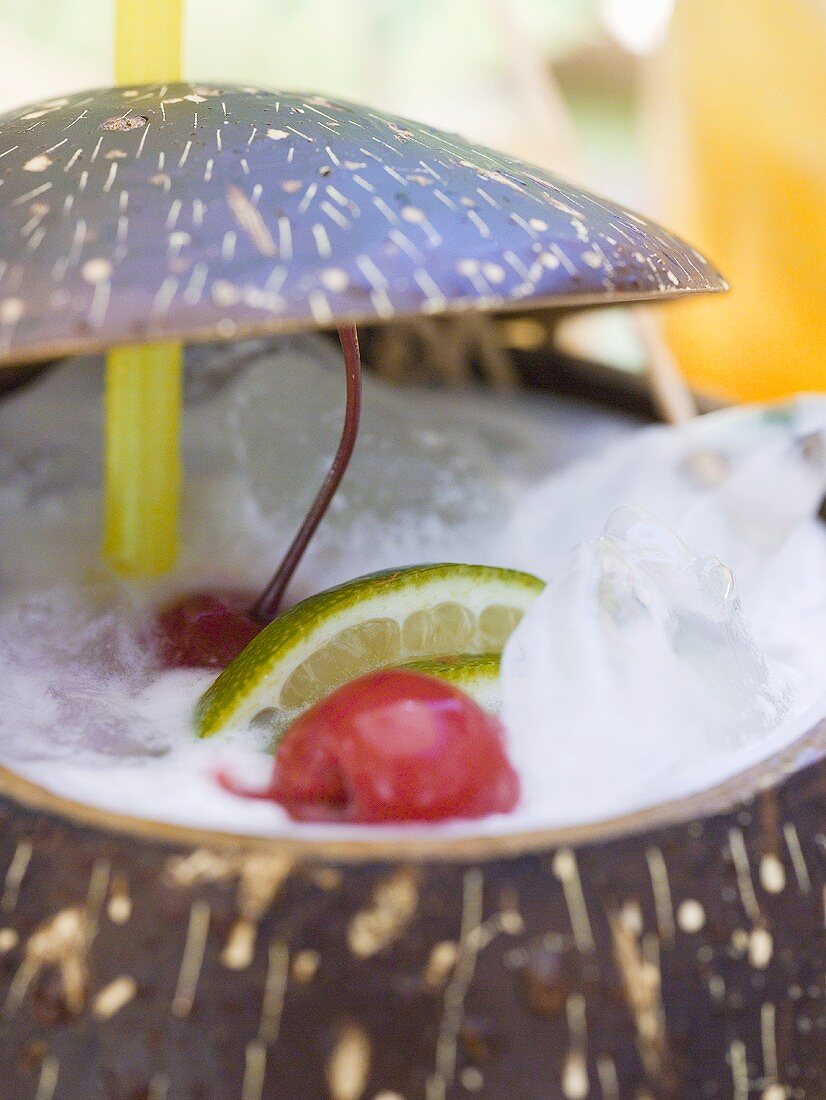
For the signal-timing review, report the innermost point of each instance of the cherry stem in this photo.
(268, 605)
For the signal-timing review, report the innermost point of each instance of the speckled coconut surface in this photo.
(139, 213)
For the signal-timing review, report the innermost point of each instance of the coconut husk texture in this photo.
(654, 958)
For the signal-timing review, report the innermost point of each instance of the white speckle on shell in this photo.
(761, 948)
(335, 279)
(564, 865)
(8, 940)
(472, 1079)
(305, 966)
(511, 922)
(11, 310)
(493, 273)
(413, 214)
(772, 874)
(775, 1092)
(225, 293)
(113, 997)
(575, 1084)
(38, 164)
(97, 270)
(440, 963)
(631, 917)
(740, 940)
(119, 909)
(349, 1064)
(691, 916)
(179, 238)
(239, 950)
(392, 907)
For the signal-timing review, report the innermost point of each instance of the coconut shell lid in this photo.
(193, 213)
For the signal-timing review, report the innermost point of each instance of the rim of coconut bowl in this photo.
(766, 768)
(806, 749)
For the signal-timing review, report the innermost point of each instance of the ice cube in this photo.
(635, 664)
(764, 497)
(735, 484)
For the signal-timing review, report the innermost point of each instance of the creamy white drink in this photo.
(646, 670)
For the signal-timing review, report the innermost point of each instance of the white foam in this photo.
(438, 477)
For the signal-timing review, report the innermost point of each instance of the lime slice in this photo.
(475, 674)
(378, 621)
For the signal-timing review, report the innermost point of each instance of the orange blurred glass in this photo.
(739, 102)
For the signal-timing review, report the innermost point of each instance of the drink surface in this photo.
(646, 670)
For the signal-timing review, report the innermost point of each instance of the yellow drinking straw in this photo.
(143, 384)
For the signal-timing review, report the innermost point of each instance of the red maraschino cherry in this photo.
(392, 746)
(204, 629)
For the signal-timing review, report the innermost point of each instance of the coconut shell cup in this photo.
(677, 952)
(200, 213)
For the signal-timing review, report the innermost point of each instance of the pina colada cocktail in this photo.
(549, 629)
(637, 667)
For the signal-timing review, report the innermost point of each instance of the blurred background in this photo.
(709, 116)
